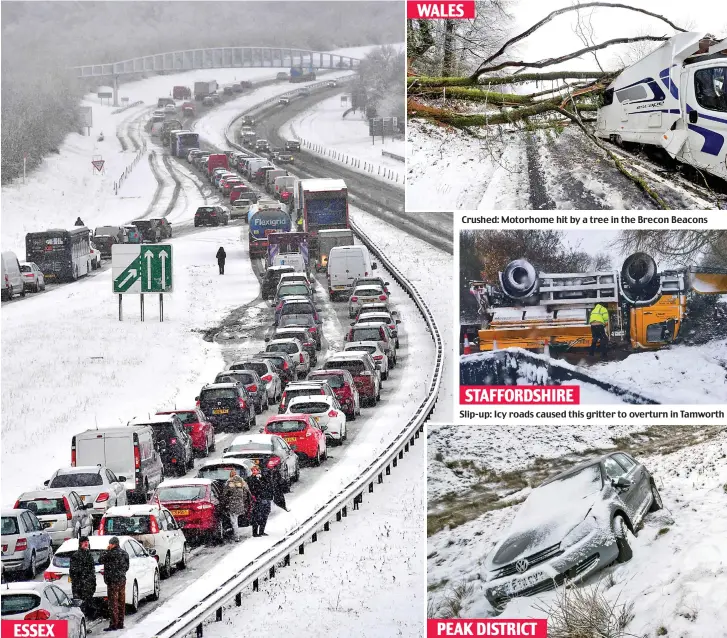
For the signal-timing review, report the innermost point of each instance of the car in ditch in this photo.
(573, 524)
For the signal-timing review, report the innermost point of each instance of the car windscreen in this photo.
(372, 319)
(24, 268)
(284, 334)
(366, 334)
(43, 506)
(125, 525)
(353, 366)
(217, 472)
(298, 308)
(9, 525)
(368, 291)
(251, 446)
(288, 290)
(334, 380)
(277, 361)
(163, 431)
(285, 426)
(80, 479)
(182, 493)
(143, 224)
(239, 377)
(312, 407)
(63, 559)
(18, 603)
(288, 348)
(187, 417)
(206, 209)
(369, 349)
(218, 393)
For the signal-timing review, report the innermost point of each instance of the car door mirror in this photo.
(261, 430)
(621, 483)
(196, 398)
(46, 483)
(88, 506)
(398, 321)
(225, 450)
(151, 551)
(693, 117)
(121, 479)
(386, 283)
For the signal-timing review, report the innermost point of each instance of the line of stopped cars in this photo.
(119, 480)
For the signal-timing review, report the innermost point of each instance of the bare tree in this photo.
(684, 247)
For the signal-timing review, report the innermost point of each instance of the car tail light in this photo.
(273, 462)
(153, 525)
(312, 329)
(21, 544)
(243, 404)
(382, 297)
(204, 506)
(332, 413)
(104, 496)
(252, 388)
(73, 457)
(17, 505)
(302, 360)
(52, 576)
(267, 377)
(137, 456)
(213, 214)
(67, 505)
(392, 326)
(173, 440)
(378, 357)
(101, 527)
(285, 365)
(38, 614)
(354, 298)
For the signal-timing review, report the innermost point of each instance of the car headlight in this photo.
(578, 533)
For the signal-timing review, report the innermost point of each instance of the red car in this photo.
(363, 370)
(238, 190)
(300, 432)
(200, 430)
(344, 387)
(195, 503)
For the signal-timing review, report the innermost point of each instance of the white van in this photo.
(287, 182)
(128, 451)
(345, 265)
(12, 279)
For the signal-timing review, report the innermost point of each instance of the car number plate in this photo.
(519, 584)
(69, 579)
(83, 497)
(339, 287)
(290, 439)
(220, 411)
(179, 512)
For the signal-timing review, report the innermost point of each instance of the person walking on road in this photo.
(221, 256)
(79, 222)
(237, 499)
(83, 575)
(115, 562)
(599, 338)
(266, 492)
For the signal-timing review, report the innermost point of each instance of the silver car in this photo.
(21, 599)
(364, 295)
(61, 512)
(95, 484)
(295, 349)
(25, 545)
(570, 526)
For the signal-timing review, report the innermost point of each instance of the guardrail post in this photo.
(238, 599)
(406, 447)
(344, 511)
(394, 461)
(357, 500)
(371, 488)
(218, 615)
(338, 516)
(256, 585)
(199, 631)
(272, 572)
(286, 561)
(314, 538)
(388, 470)
(381, 477)
(301, 549)
(401, 454)
(326, 526)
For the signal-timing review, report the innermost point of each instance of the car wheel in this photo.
(325, 454)
(296, 476)
(32, 567)
(285, 487)
(385, 375)
(43, 287)
(182, 564)
(219, 532)
(344, 436)
(157, 586)
(22, 292)
(620, 530)
(37, 287)
(317, 459)
(213, 447)
(166, 569)
(134, 604)
(352, 416)
(259, 407)
(206, 451)
(48, 560)
(656, 502)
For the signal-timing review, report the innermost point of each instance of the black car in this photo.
(292, 145)
(302, 321)
(227, 405)
(247, 120)
(252, 382)
(262, 145)
(211, 216)
(173, 443)
(149, 229)
(285, 158)
(271, 279)
(283, 364)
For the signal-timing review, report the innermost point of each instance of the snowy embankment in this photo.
(324, 131)
(678, 575)
(65, 186)
(353, 593)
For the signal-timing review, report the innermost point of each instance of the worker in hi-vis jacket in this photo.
(599, 320)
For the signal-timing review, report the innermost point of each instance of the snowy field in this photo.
(678, 575)
(353, 593)
(346, 140)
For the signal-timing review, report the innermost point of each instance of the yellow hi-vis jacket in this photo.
(599, 315)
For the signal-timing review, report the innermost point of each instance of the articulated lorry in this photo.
(534, 310)
(265, 218)
(322, 204)
(674, 99)
(299, 74)
(203, 89)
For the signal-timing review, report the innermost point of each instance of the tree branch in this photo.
(550, 16)
(511, 79)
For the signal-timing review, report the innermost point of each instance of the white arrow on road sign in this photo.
(149, 256)
(131, 275)
(163, 257)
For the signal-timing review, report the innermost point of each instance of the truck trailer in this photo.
(265, 218)
(299, 74)
(674, 99)
(322, 204)
(203, 89)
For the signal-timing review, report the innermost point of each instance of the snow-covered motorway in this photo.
(93, 371)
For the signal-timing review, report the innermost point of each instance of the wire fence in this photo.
(127, 171)
(128, 106)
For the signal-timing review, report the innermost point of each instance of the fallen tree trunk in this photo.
(510, 79)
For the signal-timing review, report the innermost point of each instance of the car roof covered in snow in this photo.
(132, 510)
(346, 356)
(352, 345)
(81, 469)
(95, 542)
(311, 398)
(155, 419)
(263, 439)
(213, 386)
(54, 492)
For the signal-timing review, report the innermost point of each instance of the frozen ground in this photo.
(346, 141)
(452, 170)
(352, 592)
(677, 577)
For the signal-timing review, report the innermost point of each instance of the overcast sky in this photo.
(557, 38)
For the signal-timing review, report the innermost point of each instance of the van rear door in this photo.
(119, 451)
(90, 450)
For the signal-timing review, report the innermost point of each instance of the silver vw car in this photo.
(570, 526)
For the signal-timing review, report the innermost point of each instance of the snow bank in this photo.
(323, 131)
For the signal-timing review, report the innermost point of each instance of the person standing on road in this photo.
(265, 490)
(83, 575)
(221, 256)
(115, 562)
(237, 499)
(599, 320)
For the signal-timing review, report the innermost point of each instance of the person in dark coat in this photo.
(116, 563)
(79, 222)
(83, 575)
(237, 498)
(221, 256)
(265, 491)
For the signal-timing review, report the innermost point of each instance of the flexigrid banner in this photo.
(443, 10)
(529, 628)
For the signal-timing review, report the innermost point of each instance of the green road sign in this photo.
(141, 268)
